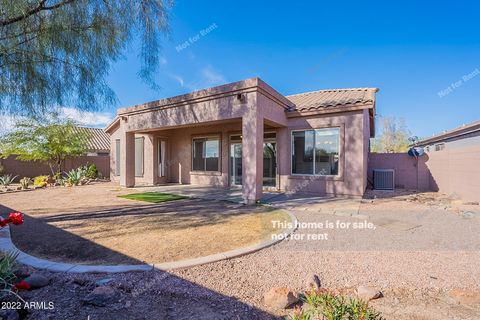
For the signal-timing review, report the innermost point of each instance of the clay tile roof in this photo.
(310, 101)
(99, 140)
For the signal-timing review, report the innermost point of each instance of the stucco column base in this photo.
(252, 157)
(127, 161)
(150, 160)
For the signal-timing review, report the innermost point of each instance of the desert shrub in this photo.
(7, 266)
(7, 179)
(8, 262)
(300, 314)
(25, 182)
(57, 176)
(324, 305)
(76, 177)
(40, 181)
(92, 171)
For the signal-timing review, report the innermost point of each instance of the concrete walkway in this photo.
(233, 194)
(341, 206)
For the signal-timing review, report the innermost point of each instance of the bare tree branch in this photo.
(40, 7)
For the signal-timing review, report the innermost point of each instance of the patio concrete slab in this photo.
(233, 194)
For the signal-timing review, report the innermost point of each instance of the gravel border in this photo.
(6, 245)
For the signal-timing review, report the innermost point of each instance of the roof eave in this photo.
(451, 134)
(328, 110)
(114, 122)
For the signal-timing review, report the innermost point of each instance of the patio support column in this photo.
(150, 159)
(127, 161)
(252, 156)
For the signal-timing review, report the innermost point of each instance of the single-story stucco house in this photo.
(247, 134)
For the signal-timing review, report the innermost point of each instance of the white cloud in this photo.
(163, 61)
(212, 76)
(87, 118)
(208, 77)
(83, 118)
(178, 79)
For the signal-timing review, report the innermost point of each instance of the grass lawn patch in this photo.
(153, 197)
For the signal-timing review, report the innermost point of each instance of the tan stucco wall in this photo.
(456, 171)
(352, 169)
(225, 114)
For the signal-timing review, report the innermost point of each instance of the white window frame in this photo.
(161, 158)
(139, 175)
(118, 155)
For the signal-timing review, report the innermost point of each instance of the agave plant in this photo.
(7, 179)
(7, 266)
(75, 177)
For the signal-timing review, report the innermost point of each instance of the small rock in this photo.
(470, 214)
(37, 281)
(103, 282)
(81, 281)
(9, 314)
(471, 203)
(23, 271)
(465, 296)
(279, 298)
(101, 296)
(313, 282)
(368, 293)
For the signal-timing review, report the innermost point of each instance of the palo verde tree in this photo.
(58, 52)
(394, 136)
(47, 140)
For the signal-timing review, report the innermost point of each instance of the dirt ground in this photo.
(415, 248)
(91, 225)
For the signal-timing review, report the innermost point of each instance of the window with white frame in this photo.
(161, 158)
(316, 152)
(206, 154)
(117, 157)
(139, 142)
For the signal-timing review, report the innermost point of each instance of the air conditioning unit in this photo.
(383, 179)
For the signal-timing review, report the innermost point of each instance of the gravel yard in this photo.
(92, 225)
(419, 248)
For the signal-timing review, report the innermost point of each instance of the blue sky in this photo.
(411, 50)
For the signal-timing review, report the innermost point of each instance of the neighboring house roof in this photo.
(464, 130)
(99, 140)
(322, 99)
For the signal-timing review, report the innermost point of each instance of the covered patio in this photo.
(225, 137)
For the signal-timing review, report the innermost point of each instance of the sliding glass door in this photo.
(269, 160)
(236, 163)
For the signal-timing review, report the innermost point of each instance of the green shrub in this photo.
(40, 181)
(7, 266)
(300, 314)
(76, 177)
(57, 176)
(325, 305)
(92, 171)
(2, 169)
(7, 273)
(25, 182)
(7, 179)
